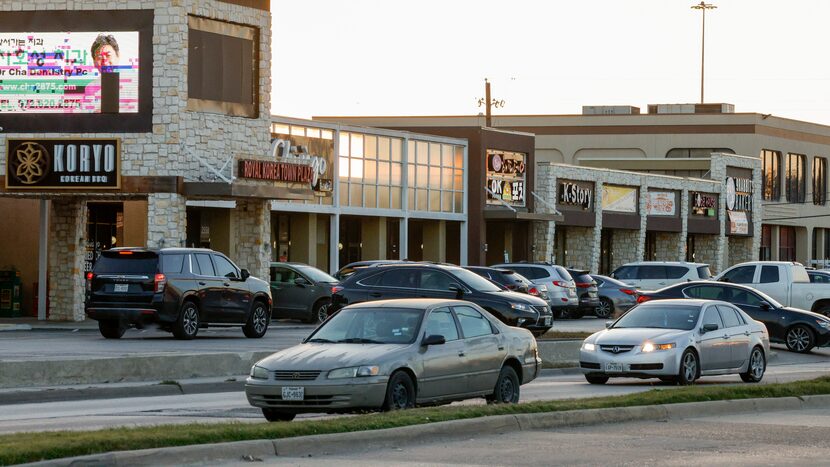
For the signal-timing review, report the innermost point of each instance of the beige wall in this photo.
(19, 245)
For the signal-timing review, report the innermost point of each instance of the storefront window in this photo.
(766, 243)
(786, 243)
(368, 177)
(437, 171)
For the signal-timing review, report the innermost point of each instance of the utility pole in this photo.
(487, 102)
(703, 6)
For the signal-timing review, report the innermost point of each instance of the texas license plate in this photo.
(121, 287)
(592, 294)
(614, 367)
(547, 320)
(293, 393)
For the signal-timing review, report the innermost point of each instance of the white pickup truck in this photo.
(785, 281)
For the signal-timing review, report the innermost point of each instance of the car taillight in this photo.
(628, 291)
(584, 285)
(89, 277)
(160, 282)
(533, 291)
(643, 298)
(562, 284)
(336, 289)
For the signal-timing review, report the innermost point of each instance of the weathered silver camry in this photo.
(395, 354)
(677, 340)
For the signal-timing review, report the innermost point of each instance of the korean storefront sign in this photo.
(506, 177)
(63, 164)
(661, 203)
(704, 204)
(738, 194)
(576, 194)
(619, 198)
(738, 223)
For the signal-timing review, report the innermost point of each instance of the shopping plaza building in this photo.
(149, 124)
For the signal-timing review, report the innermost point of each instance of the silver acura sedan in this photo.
(396, 354)
(677, 340)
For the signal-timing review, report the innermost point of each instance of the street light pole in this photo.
(703, 6)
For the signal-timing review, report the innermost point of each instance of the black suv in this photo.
(421, 280)
(180, 289)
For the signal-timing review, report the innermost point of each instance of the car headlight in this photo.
(824, 324)
(257, 372)
(522, 307)
(354, 372)
(588, 347)
(649, 347)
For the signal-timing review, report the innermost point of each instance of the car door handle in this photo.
(226, 284)
(726, 336)
(375, 294)
(202, 283)
(746, 333)
(461, 354)
(501, 347)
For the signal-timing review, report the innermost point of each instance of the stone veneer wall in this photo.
(67, 247)
(626, 248)
(740, 250)
(668, 245)
(581, 246)
(166, 220)
(708, 250)
(251, 226)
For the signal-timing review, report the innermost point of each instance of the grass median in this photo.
(27, 447)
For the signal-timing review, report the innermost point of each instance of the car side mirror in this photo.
(765, 305)
(608, 324)
(433, 339)
(301, 281)
(245, 274)
(459, 292)
(709, 328)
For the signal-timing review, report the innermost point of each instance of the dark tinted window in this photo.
(769, 274)
(708, 292)
(675, 272)
(816, 278)
(730, 318)
(283, 274)
(407, 278)
(204, 264)
(625, 272)
(711, 316)
(371, 280)
(703, 272)
(563, 273)
(743, 297)
(134, 263)
(652, 272)
(740, 275)
(531, 272)
(472, 322)
(436, 280)
(441, 322)
(172, 264)
(224, 267)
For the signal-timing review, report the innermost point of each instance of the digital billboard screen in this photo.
(69, 72)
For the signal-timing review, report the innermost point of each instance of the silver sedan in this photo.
(615, 297)
(396, 354)
(677, 340)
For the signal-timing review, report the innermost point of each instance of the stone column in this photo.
(543, 240)
(67, 239)
(251, 231)
(166, 220)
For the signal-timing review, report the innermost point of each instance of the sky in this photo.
(430, 57)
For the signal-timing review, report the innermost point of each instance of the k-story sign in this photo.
(578, 194)
(63, 164)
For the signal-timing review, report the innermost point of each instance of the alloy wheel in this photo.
(798, 339)
(190, 320)
(322, 312)
(604, 309)
(260, 320)
(756, 364)
(689, 367)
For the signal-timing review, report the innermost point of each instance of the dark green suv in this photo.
(179, 289)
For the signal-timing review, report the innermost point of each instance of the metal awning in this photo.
(505, 214)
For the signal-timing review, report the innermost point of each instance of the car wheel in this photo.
(800, 339)
(319, 312)
(756, 368)
(593, 379)
(187, 326)
(507, 388)
(111, 328)
(605, 308)
(689, 368)
(273, 415)
(400, 392)
(257, 323)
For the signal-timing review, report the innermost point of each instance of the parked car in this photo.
(300, 292)
(786, 282)
(561, 286)
(511, 280)
(586, 291)
(652, 275)
(800, 330)
(396, 354)
(350, 268)
(677, 340)
(615, 297)
(819, 276)
(424, 280)
(180, 289)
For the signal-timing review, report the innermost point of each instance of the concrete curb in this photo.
(318, 445)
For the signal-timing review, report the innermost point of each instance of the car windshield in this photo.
(474, 281)
(316, 275)
(370, 326)
(661, 316)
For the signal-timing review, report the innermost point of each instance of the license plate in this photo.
(547, 321)
(614, 367)
(592, 294)
(121, 287)
(293, 393)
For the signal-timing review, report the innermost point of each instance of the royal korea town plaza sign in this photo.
(63, 164)
(290, 164)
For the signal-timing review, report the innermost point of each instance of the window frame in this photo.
(458, 335)
(796, 178)
(819, 171)
(771, 186)
(493, 329)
